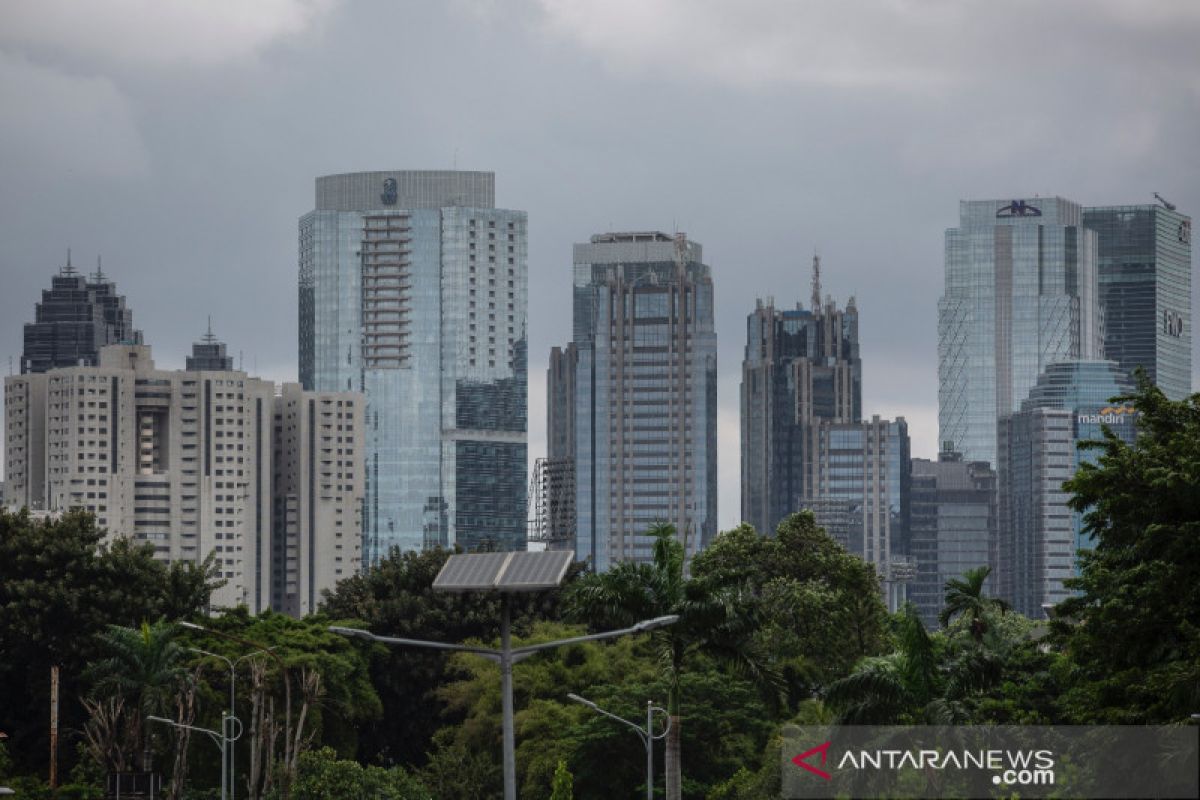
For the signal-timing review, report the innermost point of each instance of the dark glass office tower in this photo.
(801, 366)
(952, 528)
(1144, 258)
(209, 355)
(77, 316)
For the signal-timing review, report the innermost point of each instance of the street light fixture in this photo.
(219, 738)
(287, 688)
(506, 573)
(232, 778)
(646, 734)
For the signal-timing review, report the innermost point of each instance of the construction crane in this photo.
(1166, 204)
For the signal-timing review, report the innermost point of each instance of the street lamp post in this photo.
(646, 734)
(232, 713)
(219, 738)
(506, 656)
(287, 690)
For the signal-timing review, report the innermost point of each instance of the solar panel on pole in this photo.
(528, 572)
(505, 572)
(471, 572)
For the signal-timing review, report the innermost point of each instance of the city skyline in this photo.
(192, 180)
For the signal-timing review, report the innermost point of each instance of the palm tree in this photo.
(144, 669)
(922, 681)
(712, 620)
(965, 598)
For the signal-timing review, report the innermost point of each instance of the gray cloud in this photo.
(183, 147)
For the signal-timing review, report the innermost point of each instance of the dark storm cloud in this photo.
(181, 139)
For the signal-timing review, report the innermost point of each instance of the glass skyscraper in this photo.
(413, 290)
(953, 527)
(801, 366)
(75, 318)
(644, 395)
(1144, 258)
(1039, 533)
(1020, 293)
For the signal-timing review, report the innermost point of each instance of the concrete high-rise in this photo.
(76, 317)
(1144, 259)
(184, 461)
(953, 527)
(316, 494)
(801, 366)
(1021, 293)
(1039, 533)
(413, 290)
(643, 392)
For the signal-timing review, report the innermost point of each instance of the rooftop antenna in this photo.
(1166, 204)
(99, 275)
(816, 283)
(68, 269)
(209, 338)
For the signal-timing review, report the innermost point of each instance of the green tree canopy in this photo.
(1133, 631)
(821, 607)
(60, 587)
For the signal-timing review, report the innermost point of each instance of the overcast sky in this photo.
(180, 141)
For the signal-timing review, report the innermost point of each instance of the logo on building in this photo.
(390, 193)
(1172, 323)
(1019, 208)
(1185, 231)
(1109, 415)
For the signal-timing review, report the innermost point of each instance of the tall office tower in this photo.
(1039, 534)
(77, 316)
(317, 495)
(553, 483)
(856, 483)
(644, 394)
(413, 290)
(801, 366)
(1144, 258)
(1020, 293)
(953, 527)
(181, 460)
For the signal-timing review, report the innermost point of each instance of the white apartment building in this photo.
(179, 459)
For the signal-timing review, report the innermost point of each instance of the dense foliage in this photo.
(779, 629)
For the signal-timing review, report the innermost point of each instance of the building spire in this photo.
(816, 283)
(98, 276)
(68, 269)
(208, 337)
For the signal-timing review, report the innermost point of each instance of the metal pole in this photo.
(224, 763)
(54, 727)
(510, 756)
(649, 751)
(232, 748)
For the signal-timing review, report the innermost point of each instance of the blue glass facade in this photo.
(1039, 533)
(1020, 293)
(857, 484)
(413, 289)
(644, 395)
(1145, 269)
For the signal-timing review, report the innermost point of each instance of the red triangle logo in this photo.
(823, 749)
